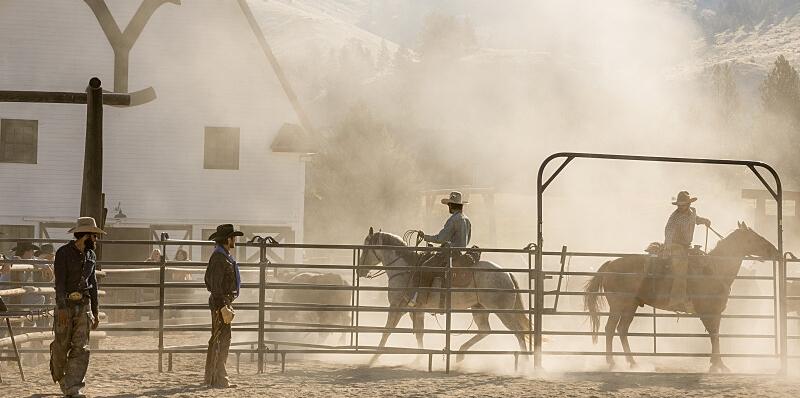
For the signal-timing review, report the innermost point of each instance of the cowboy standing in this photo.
(23, 251)
(223, 282)
(456, 232)
(678, 234)
(76, 307)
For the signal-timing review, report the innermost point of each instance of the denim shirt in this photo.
(457, 231)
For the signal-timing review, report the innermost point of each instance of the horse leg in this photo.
(712, 326)
(517, 323)
(622, 329)
(611, 324)
(418, 324)
(391, 321)
(482, 321)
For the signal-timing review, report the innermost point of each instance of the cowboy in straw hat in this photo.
(223, 282)
(76, 296)
(456, 232)
(678, 234)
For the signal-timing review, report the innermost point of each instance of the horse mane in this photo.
(393, 240)
(410, 257)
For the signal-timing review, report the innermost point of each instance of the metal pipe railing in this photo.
(262, 327)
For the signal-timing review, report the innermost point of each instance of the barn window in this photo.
(18, 140)
(221, 148)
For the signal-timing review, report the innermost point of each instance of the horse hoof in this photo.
(719, 368)
(459, 358)
(633, 365)
(610, 365)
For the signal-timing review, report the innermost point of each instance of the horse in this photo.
(627, 286)
(312, 296)
(507, 299)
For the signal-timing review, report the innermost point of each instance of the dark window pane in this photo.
(19, 140)
(221, 148)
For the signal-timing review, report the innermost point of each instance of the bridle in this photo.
(380, 272)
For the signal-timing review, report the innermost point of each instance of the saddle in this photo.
(658, 267)
(659, 249)
(460, 278)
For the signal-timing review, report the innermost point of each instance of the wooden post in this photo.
(91, 193)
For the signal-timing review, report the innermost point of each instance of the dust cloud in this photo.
(475, 95)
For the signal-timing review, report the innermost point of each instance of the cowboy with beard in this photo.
(76, 307)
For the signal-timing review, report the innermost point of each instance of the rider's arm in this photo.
(443, 235)
(702, 221)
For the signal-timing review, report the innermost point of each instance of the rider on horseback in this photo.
(678, 234)
(457, 232)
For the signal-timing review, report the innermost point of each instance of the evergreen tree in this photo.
(384, 58)
(362, 177)
(780, 91)
(724, 92)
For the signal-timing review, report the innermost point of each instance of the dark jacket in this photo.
(75, 272)
(220, 281)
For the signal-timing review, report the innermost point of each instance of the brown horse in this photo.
(628, 286)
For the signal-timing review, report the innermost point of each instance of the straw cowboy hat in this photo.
(225, 231)
(684, 199)
(86, 224)
(455, 198)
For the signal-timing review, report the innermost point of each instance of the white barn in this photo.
(205, 151)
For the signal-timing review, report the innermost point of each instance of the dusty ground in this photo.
(136, 375)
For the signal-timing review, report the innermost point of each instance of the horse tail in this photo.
(592, 303)
(523, 319)
(517, 297)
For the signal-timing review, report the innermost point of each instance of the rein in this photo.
(383, 271)
(715, 232)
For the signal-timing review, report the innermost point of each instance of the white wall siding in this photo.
(207, 70)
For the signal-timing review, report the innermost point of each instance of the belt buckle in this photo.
(76, 296)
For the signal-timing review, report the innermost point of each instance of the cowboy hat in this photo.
(225, 231)
(47, 248)
(24, 246)
(683, 199)
(455, 198)
(86, 224)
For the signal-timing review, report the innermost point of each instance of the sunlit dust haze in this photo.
(434, 96)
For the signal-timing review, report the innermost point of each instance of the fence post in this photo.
(262, 271)
(358, 307)
(448, 313)
(354, 299)
(161, 300)
(784, 333)
(530, 298)
(538, 292)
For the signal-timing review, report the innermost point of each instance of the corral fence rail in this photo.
(265, 346)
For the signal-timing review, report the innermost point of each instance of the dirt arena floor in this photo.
(135, 375)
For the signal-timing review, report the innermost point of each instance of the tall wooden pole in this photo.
(92, 191)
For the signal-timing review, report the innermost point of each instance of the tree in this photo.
(362, 177)
(384, 59)
(780, 91)
(724, 92)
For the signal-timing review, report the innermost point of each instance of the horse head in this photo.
(369, 256)
(751, 243)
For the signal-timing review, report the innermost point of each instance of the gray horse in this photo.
(508, 299)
